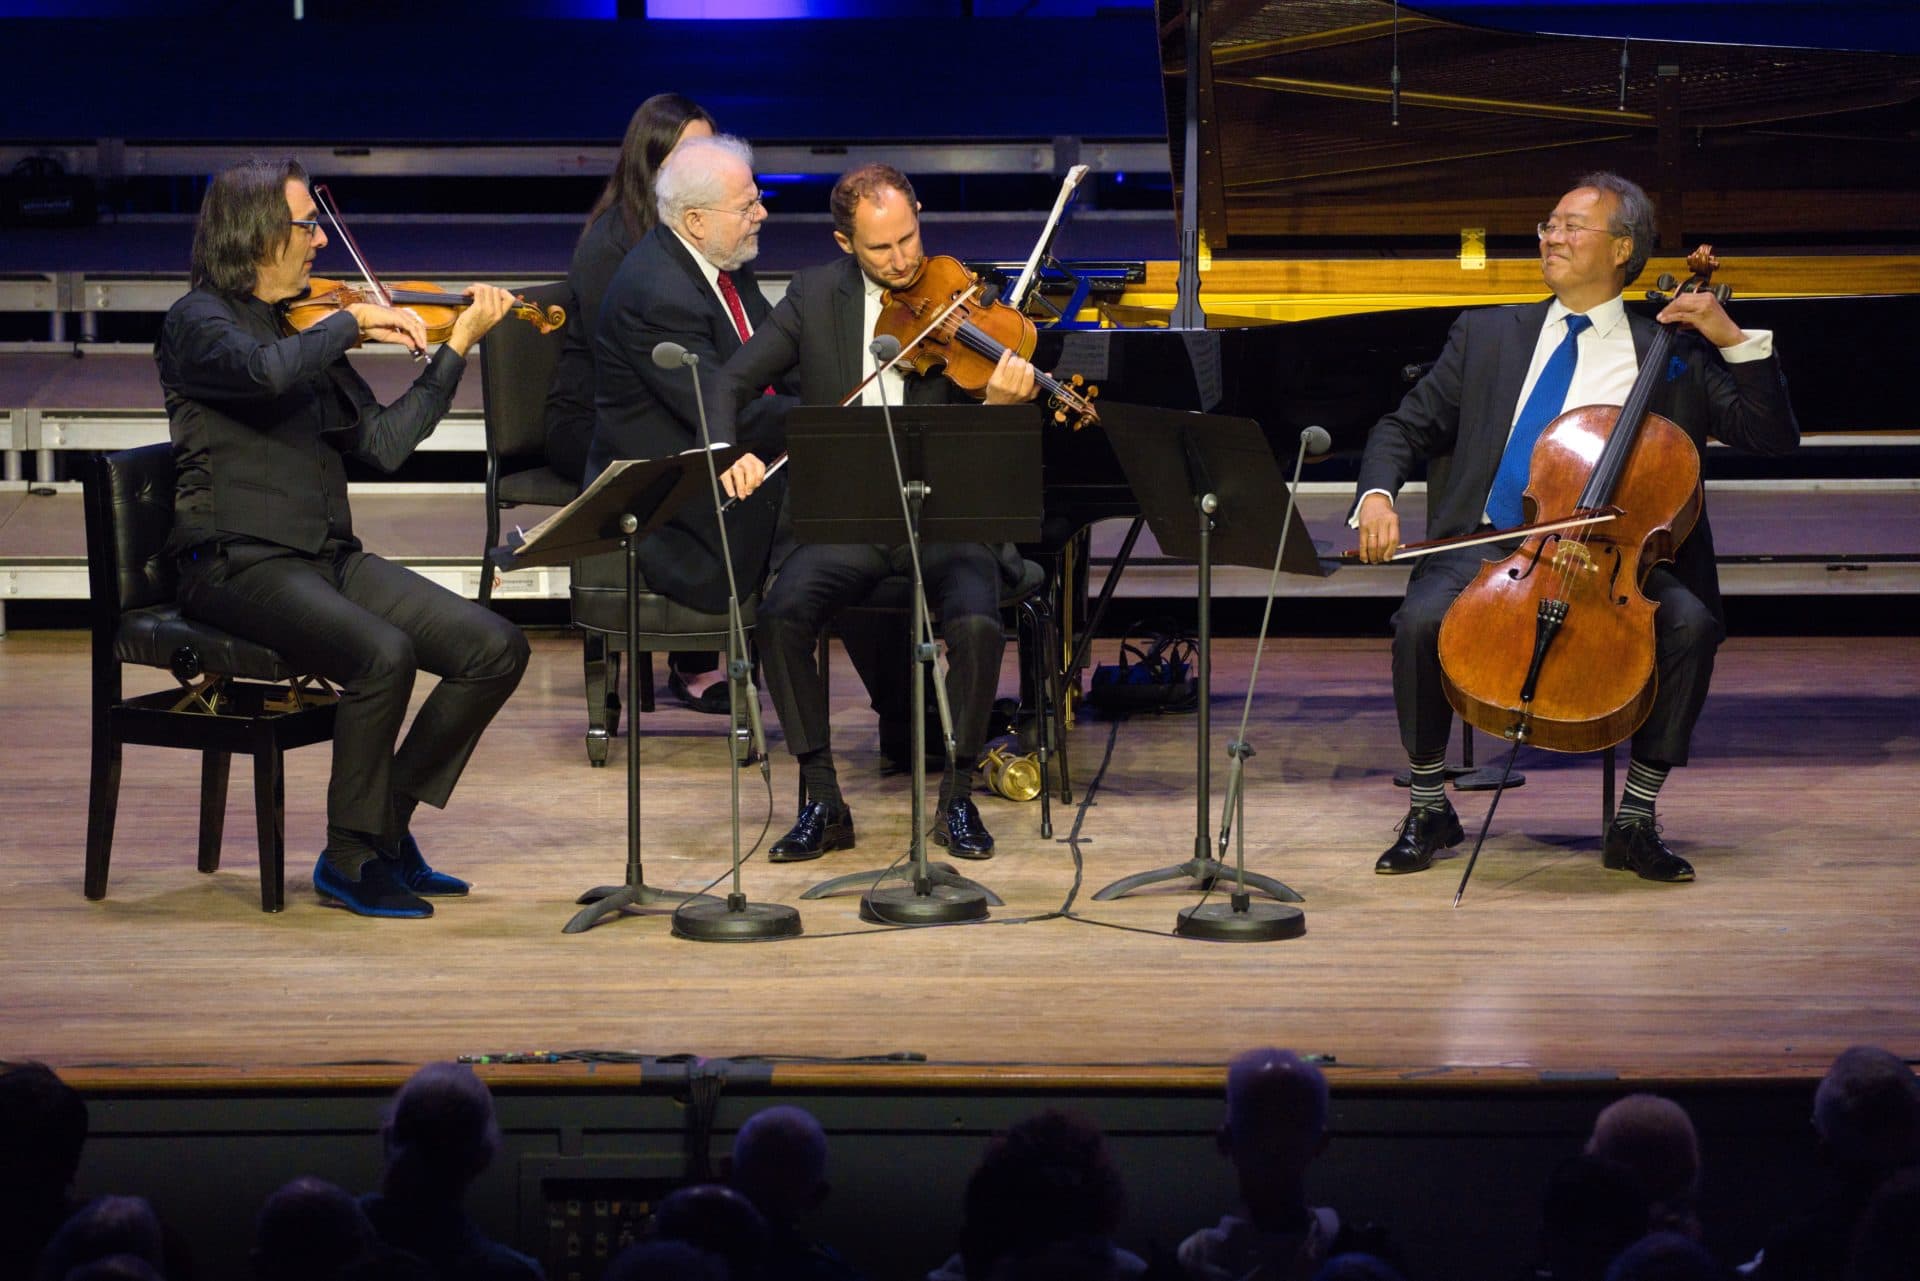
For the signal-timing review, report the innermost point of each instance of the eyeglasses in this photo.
(1572, 229)
(310, 225)
(759, 202)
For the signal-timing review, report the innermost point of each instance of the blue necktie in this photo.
(1549, 398)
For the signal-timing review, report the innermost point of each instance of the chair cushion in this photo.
(600, 605)
(150, 636)
(540, 485)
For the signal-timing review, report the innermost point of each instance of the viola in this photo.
(437, 308)
(944, 320)
(1554, 645)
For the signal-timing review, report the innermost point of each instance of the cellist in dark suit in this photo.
(687, 281)
(1506, 371)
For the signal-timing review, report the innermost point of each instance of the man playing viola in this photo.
(262, 422)
(1505, 373)
(821, 329)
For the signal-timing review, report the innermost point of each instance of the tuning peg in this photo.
(1667, 284)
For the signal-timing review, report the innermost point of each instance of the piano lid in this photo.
(1306, 147)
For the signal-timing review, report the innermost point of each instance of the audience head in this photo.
(440, 1133)
(1886, 1241)
(116, 1267)
(1276, 1112)
(1357, 1267)
(1082, 1258)
(715, 1219)
(1594, 1208)
(707, 193)
(43, 1125)
(1047, 1179)
(307, 1231)
(1867, 1113)
(780, 1163)
(103, 1228)
(658, 125)
(1666, 1256)
(1653, 1137)
(663, 1260)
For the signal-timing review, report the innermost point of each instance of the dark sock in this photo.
(1429, 781)
(403, 808)
(821, 779)
(957, 783)
(1644, 779)
(349, 851)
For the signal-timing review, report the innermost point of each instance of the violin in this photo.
(1554, 645)
(437, 308)
(944, 320)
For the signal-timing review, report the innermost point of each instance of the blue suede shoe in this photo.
(376, 893)
(412, 871)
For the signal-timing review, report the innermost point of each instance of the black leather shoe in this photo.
(959, 829)
(816, 831)
(1421, 833)
(1635, 846)
(713, 700)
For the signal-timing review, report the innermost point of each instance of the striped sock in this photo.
(1429, 781)
(1643, 787)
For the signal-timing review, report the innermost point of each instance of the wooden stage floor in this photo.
(1795, 942)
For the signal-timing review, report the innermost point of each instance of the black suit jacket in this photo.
(643, 411)
(1465, 406)
(818, 333)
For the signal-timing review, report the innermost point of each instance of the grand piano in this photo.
(1292, 147)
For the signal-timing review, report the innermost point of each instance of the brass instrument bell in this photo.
(1015, 777)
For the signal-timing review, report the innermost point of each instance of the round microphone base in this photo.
(940, 905)
(716, 921)
(1256, 923)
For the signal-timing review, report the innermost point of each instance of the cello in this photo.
(1554, 645)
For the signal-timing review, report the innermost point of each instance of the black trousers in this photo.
(368, 625)
(1686, 635)
(819, 579)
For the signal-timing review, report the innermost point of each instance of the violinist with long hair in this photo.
(262, 421)
(821, 330)
(1505, 373)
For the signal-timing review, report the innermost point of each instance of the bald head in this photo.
(780, 1162)
(1276, 1108)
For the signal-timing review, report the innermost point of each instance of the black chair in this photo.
(516, 365)
(233, 695)
(1041, 682)
(599, 600)
(516, 368)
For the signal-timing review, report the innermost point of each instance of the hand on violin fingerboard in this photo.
(389, 324)
(489, 307)
(1011, 382)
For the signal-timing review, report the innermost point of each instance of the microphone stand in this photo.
(934, 896)
(733, 919)
(1240, 919)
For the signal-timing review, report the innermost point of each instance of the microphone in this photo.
(1316, 440)
(671, 355)
(884, 348)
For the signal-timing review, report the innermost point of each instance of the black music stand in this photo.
(844, 490)
(1212, 492)
(625, 503)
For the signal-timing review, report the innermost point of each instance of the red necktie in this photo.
(739, 313)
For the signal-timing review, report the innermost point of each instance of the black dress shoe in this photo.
(817, 830)
(959, 829)
(1421, 833)
(1634, 845)
(713, 700)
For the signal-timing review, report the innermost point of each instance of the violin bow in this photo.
(1413, 551)
(1072, 181)
(324, 198)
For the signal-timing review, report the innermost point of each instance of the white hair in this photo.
(690, 176)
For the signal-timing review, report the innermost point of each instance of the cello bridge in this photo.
(1570, 555)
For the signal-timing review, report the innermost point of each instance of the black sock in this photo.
(1429, 781)
(349, 851)
(957, 783)
(821, 779)
(403, 808)
(1644, 779)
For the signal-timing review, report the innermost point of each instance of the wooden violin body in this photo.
(437, 308)
(1597, 681)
